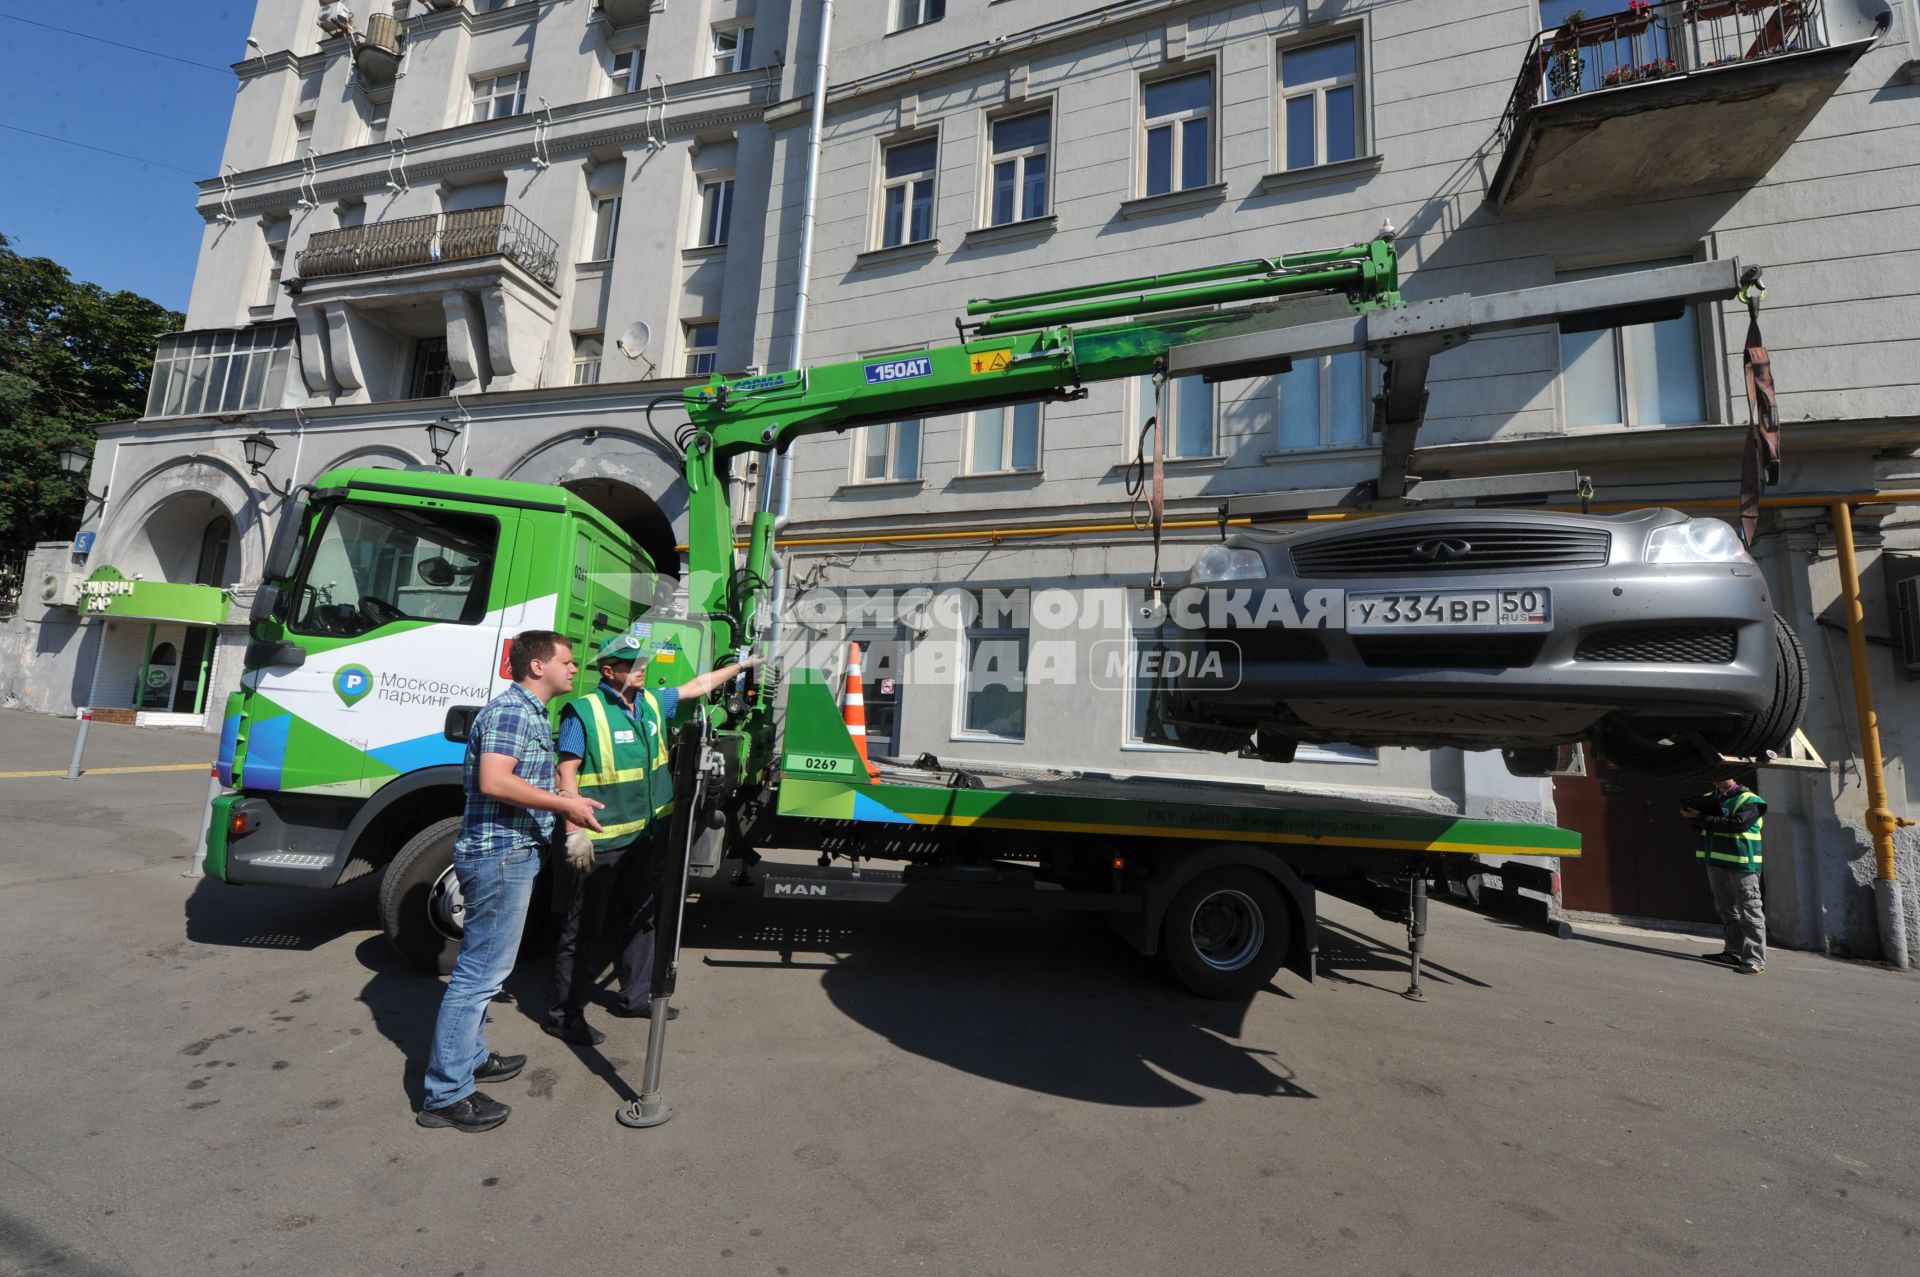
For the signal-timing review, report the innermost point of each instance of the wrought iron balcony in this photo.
(1665, 98)
(432, 240)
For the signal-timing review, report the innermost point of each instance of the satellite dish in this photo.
(634, 342)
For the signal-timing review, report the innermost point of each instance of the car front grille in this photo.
(1453, 548)
(1661, 645)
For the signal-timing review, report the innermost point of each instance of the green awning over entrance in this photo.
(107, 593)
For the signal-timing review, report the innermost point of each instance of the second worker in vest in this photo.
(1729, 820)
(613, 747)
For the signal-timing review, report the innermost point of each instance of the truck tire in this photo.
(420, 904)
(1226, 933)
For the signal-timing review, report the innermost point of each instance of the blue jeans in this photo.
(497, 887)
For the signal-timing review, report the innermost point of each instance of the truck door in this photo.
(399, 605)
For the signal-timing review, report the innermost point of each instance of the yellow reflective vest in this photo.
(624, 766)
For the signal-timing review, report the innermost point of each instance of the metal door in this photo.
(1636, 851)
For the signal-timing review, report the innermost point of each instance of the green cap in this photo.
(621, 647)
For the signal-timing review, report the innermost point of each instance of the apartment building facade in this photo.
(460, 233)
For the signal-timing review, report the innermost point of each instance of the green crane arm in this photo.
(1023, 350)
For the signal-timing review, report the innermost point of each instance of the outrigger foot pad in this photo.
(644, 1112)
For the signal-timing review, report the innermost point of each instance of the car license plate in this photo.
(1455, 610)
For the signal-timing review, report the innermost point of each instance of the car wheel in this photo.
(420, 903)
(1774, 726)
(1227, 932)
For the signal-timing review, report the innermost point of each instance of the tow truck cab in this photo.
(381, 629)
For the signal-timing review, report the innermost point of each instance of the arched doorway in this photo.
(636, 514)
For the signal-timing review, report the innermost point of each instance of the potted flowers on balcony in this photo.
(1637, 18)
(1564, 64)
(1658, 69)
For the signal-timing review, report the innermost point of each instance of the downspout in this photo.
(1880, 820)
(777, 495)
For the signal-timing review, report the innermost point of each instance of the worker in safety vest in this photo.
(612, 745)
(1729, 820)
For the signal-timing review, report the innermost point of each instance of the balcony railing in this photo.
(467, 235)
(1651, 42)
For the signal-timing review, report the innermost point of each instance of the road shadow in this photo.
(253, 917)
(1051, 1004)
(1347, 955)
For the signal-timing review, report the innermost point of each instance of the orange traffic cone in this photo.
(854, 707)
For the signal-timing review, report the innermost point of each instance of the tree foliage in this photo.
(73, 356)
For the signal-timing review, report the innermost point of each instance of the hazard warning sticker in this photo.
(990, 361)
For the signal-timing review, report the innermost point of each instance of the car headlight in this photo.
(1227, 563)
(1696, 541)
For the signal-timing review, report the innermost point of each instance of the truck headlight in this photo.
(1227, 563)
(1696, 541)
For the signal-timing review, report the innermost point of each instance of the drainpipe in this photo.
(777, 494)
(1880, 820)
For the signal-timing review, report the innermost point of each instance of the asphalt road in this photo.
(206, 1079)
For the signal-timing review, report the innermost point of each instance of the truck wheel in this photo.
(420, 904)
(1227, 932)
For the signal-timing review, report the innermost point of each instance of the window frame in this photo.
(1317, 89)
(1176, 122)
(1144, 407)
(1008, 427)
(1325, 368)
(274, 233)
(739, 57)
(582, 364)
(971, 629)
(303, 134)
(694, 354)
(1702, 330)
(709, 185)
(857, 467)
(883, 185)
(898, 11)
(603, 228)
(375, 110)
(636, 73)
(1019, 156)
(490, 99)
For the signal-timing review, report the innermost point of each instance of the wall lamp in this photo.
(441, 436)
(259, 450)
(74, 461)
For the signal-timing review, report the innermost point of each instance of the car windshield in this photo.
(369, 565)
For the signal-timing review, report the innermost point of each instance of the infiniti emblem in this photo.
(1442, 550)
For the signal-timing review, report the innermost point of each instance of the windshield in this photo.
(369, 565)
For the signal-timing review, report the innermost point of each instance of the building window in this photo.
(1190, 405)
(703, 347)
(1639, 375)
(302, 135)
(906, 192)
(225, 371)
(587, 348)
(624, 75)
(374, 113)
(1320, 103)
(432, 372)
(606, 227)
(1004, 439)
(1179, 132)
(215, 542)
(914, 13)
(1019, 185)
(996, 675)
(716, 212)
(275, 232)
(497, 96)
(732, 49)
(1323, 402)
(889, 453)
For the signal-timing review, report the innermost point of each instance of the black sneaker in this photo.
(500, 1068)
(475, 1112)
(645, 1013)
(1724, 959)
(575, 1031)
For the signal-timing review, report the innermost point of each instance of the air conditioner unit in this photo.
(60, 589)
(336, 19)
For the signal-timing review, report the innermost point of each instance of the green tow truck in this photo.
(390, 595)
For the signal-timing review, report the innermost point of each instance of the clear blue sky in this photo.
(115, 222)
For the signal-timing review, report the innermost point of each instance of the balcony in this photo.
(1670, 98)
(437, 238)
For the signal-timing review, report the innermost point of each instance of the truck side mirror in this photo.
(286, 542)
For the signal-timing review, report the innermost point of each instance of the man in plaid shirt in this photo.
(508, 821)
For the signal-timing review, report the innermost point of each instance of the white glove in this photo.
(580, 850)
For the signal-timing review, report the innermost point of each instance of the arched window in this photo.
(214, 545)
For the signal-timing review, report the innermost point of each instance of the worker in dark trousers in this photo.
(1729, 820)
(613, 746)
